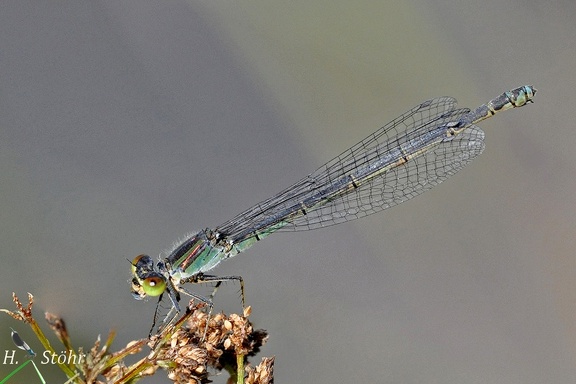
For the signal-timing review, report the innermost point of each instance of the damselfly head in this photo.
(146, 280)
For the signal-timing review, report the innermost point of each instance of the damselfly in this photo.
(406, 157)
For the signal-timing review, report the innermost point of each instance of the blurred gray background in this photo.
(126, 125)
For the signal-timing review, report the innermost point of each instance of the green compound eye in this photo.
(154, 284)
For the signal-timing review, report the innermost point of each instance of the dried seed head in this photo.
(263, 373)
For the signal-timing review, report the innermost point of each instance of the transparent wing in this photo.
(326, 197)
(398, 184)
